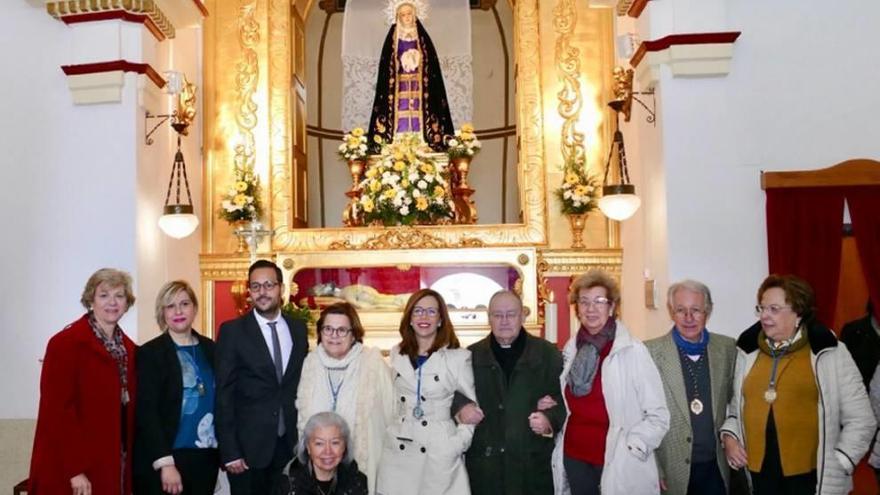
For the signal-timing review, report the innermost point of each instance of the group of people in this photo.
(785, 404)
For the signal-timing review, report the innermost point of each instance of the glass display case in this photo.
(379, 283)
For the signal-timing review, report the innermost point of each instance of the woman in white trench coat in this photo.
(611, 449)
(424, 447)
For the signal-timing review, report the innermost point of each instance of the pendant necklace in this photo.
(191, 350)
(696, 405)
(770, 394)
(334, 391)
(200, 385)
(418, 412)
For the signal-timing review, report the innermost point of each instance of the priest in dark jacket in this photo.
(521, 409)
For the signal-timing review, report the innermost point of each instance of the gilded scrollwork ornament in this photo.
(405, 237)
(569, 66)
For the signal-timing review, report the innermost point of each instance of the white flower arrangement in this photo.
(464, 144)
(405, 186)
(354, 145)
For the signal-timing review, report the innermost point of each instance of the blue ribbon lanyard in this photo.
(417, 411)
(334, 391)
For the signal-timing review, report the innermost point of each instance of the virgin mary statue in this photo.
(410, 94)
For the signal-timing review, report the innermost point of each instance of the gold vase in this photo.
(356, 168)
(237, 227)
(462, 166)
(577, 222)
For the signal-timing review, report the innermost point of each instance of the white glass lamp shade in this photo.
(178, 221)
(619, 202)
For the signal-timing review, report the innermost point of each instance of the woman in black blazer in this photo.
(175, 447)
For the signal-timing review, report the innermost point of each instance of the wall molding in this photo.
(120, 15)
(686, 54)
(102, 82)
(128, 11)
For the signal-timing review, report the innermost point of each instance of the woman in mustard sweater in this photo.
(799, 420)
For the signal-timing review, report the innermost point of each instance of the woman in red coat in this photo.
(85, 425)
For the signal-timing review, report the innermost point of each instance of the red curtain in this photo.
(804, 229)
(864, 210)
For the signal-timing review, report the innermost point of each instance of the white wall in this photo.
(80, 194)
(801, 94)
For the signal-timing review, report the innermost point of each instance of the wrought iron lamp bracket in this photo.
(651, 118)
(148, 140)
(624, 96)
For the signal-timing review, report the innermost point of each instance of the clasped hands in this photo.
(471, 414)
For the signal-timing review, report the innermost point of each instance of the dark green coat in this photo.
(506, 457)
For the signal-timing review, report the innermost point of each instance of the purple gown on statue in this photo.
(408, 91)
(409, 100)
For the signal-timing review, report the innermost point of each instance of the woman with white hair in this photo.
(323, 464)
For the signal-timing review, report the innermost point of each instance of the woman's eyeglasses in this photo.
(773, 309)
(329, 331)
(420, 312)
(598, 302)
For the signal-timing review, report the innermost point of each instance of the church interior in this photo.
(183, 139)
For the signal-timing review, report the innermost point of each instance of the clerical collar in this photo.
(509, 355)
(514, 347)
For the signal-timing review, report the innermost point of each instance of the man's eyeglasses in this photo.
(329, 331)
(692, 312)
(267, 285)
(773, 309)
(419, 312)
(598, 302)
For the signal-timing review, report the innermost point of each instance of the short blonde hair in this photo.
(595, 278)
(166, 294)
(113, 278)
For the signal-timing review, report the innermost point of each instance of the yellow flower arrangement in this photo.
(404, 185)
(464, 143)
(579, 191)
(242, 201)
(354, 145)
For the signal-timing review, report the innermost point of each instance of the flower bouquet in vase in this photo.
(577, 197)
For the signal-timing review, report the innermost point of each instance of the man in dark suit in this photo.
(259, 357)
(697, 371)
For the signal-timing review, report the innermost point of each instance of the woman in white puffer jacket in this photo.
(799, 420)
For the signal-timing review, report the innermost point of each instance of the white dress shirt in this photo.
(284, 337)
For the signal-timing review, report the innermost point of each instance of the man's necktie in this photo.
(279, 370)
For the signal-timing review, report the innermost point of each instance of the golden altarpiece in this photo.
(254, 107)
